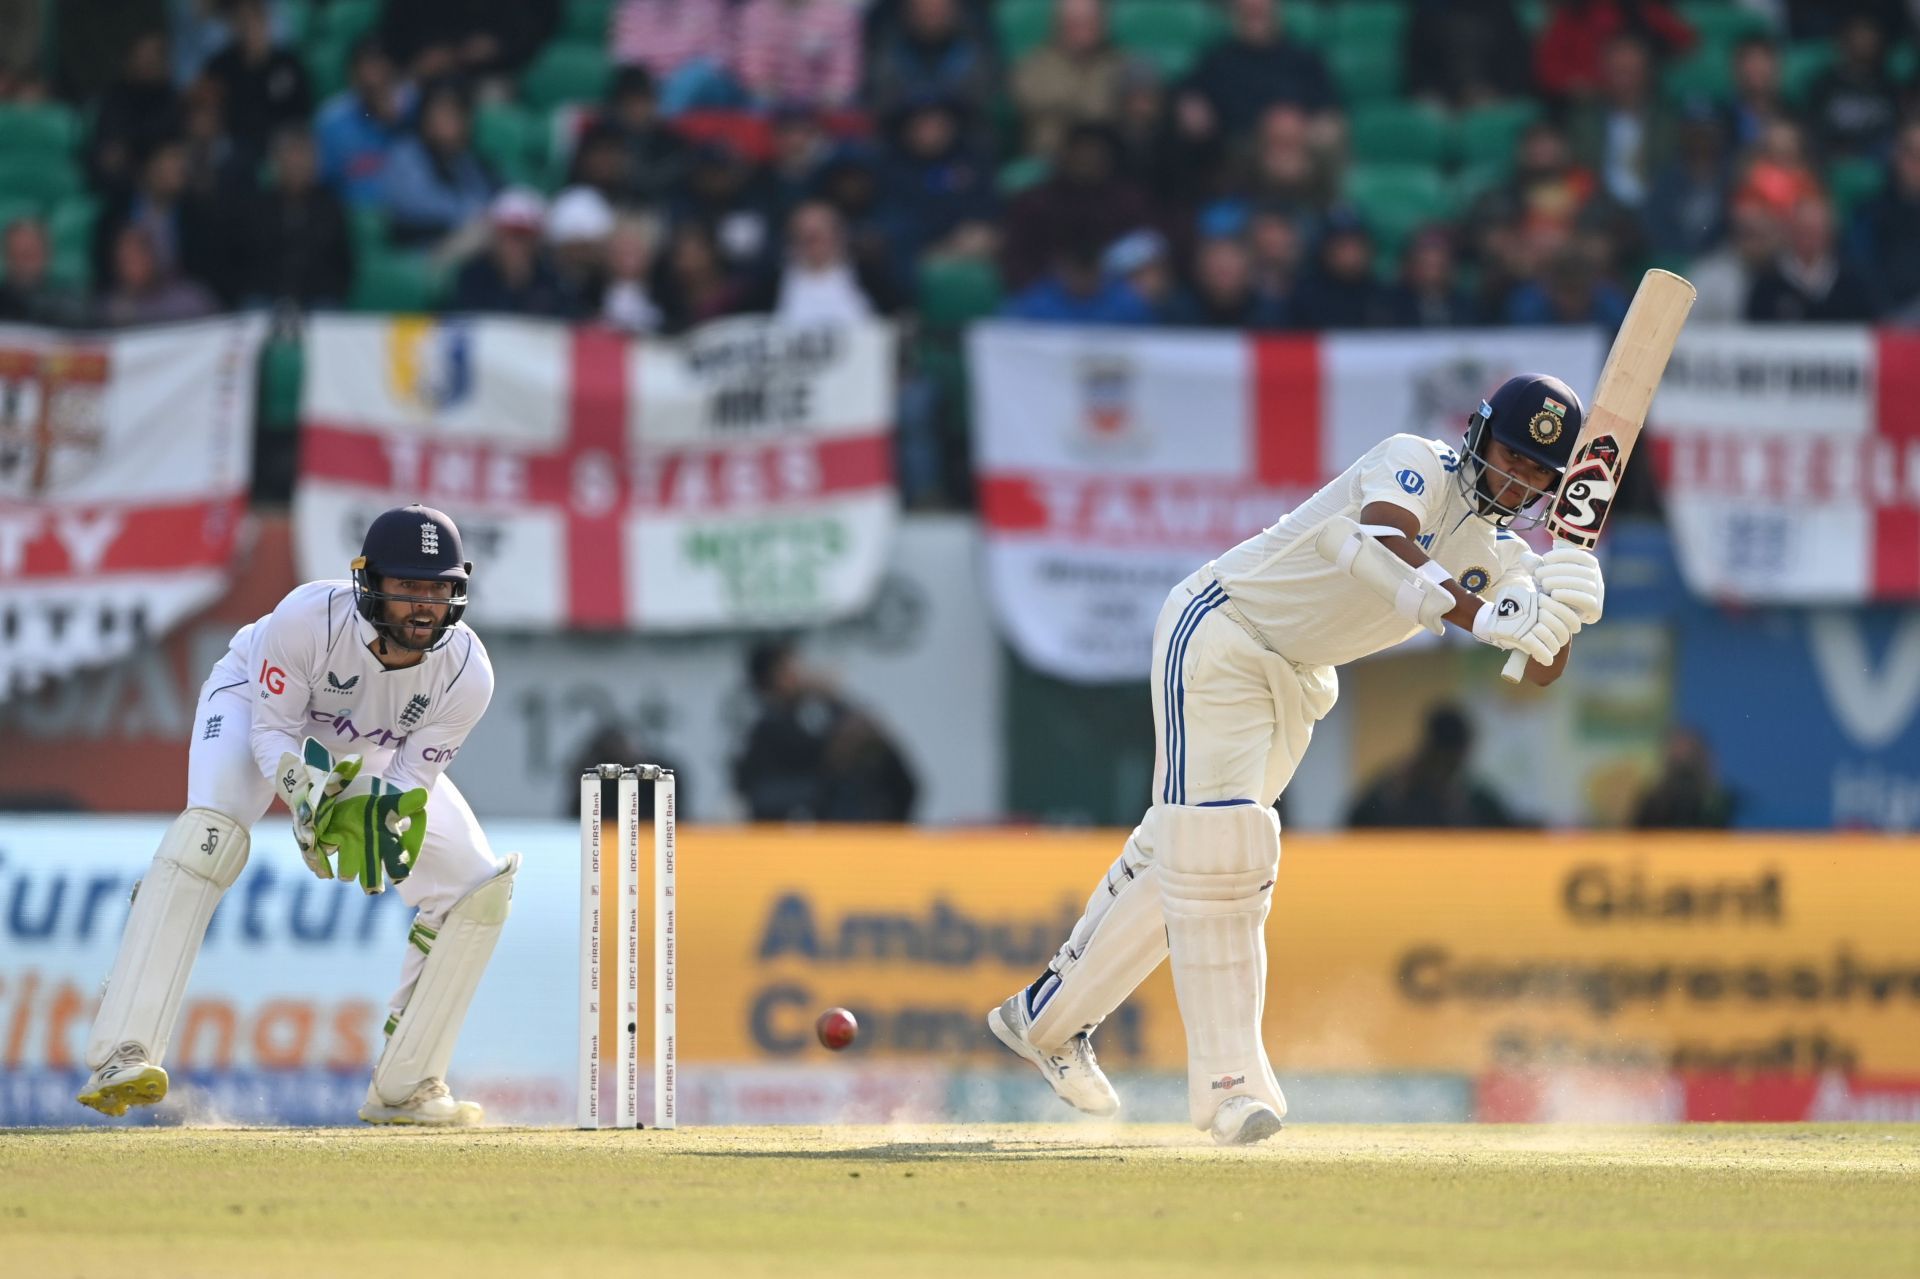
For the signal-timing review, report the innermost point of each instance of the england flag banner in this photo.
(739, 476)
(1112, 463)
(1791, 461)
(125, 461)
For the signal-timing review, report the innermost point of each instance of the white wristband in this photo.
(1432, 571)
(1483, 623)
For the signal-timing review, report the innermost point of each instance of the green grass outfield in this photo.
(963, 1201)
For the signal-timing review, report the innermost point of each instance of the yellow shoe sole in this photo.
(116, 1098)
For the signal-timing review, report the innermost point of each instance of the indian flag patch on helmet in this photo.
(1548, 422)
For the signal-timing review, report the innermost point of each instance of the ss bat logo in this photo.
(1586, 495)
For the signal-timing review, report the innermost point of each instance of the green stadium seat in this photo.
(41, 178)
(1473, 181)
(1853, 182)
(513, 141)
(13, 209)
(1801, 64)
(346, 20)
(1397, 198)
(369, 229)
(566, 71)
(1398, 131)
(283, 367)
(1170, 33)
(1718, 22)
(1306, 23)
(1365, 72)
(1705, 73)
(587, 20)
(396, 282)
(1022, 25)
(1017, 175)
(1487, 135)
(326, 58)
(1376, 22)
(40, 129)
(71, 224)
(955, 291)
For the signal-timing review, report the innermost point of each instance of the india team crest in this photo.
(429, 363)
(1547, 424)
(1474, 580)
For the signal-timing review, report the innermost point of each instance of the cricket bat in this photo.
(1614, 417)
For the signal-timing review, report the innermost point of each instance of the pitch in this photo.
(961, 1201)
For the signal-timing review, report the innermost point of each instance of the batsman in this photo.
(1413, 536)
(347, 702)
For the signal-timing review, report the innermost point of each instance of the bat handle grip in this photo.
(1516, 667)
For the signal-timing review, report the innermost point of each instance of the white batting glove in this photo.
(1572, 576)
(1522, 619)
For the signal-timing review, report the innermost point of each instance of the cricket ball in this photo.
(836, 1028)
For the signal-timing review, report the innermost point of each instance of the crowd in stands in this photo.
(655, 164)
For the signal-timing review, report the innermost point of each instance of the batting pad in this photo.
(1217, 866)
(199, 858)
(1118, 942)
(422, 1041)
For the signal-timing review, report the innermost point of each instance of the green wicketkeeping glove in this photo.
(374, 827)
(309, 783)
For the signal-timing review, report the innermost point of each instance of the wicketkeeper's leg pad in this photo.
(422, 1035)
(1216, 868)
(199, 858)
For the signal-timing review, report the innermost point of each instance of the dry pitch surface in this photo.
(962, 1201)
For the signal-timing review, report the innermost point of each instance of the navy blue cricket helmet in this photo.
(1535, 415)
(410, 543)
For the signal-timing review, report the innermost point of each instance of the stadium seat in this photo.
(1853, 182)
(512, 141)
(1022, 25)
(13, 209)
(590, 20)
(1170, 33)
(39, 129)
(345, 20)
(1718, 22)
(396, 282)
(1487, 135)
(1399, 131)
(1365, 72)
(1375, 22)
(1396, 198)
(40, 178)
(566, 71)
(1017, 175)
(70, 224)
(1801, 64)
(368, 226)
(282, 369)
(325, 57)
(956, 291)
(1474, 180)
(1705, 73)
(1306, 23)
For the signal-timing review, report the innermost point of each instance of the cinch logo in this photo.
(274, 678)
(439, 754)
(1227, 1081)
(343, 726)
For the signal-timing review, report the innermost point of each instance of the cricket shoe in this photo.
(430, 1106)
(1243, 1121)
(127, 1079)
(1069, 1069)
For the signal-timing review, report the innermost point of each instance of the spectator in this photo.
(264, 87)
(656, 154)
(686, 44)
(821, 281)
(221, 174)
(184, 235)
(1686, 795)
(1758, 99)
(1886, 233)
(1224, 296)
(603, 162)
(435, 186)
(933, 53)
(1855, 104)
(692, 284)
(801, 149)
(1571, 291)
(28, 293)
(850, 180)
(1504, 258)
(1777, 173)
(144, 287)
(938, 196)
(799, 51)
(1072, 79)
(1282, 168)
(1277, 250)
(1724, 278)
(1086, 201)
(469, 38)
(513, 276)
(1178, 173)
(137, 113)
(810, 756)
(1140, 261)
(1255, 66)
(1465, 53)
(1077, 291)
(1341, 292)
(21, 34)
(1566, 58)
(94, 39)
(359, 127)
(579, 229)
(1429, 295)
(1548, 191)
(627, 304)
(1686, 209)
(295, 242)
(1808, 281)
(1433, 787)
(728, 192)
(1624, 132)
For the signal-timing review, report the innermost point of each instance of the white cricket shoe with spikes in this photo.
(127, 1079)
(430, 1105)
(1070, 1069)
(1243, 1121)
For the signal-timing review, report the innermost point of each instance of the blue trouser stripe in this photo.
(1175, 791)
(1166, 693)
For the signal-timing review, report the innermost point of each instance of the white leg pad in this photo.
(1117, 944)
(200, 857)
(424, 1032)
(1217, 867)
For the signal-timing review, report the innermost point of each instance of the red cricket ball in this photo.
(836, 1028)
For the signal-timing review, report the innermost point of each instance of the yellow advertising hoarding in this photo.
(1408, 951)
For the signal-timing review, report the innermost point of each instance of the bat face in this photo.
(1586, 491)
